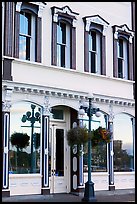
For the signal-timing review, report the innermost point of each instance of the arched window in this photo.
(95, 44)
(63, 44)
(99, 153)
(123, 132)
(63, 37)
(25, 138)
(123, 52)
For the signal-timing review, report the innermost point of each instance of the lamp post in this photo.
(30, 117)
(89, 195)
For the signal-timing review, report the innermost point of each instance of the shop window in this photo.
(123, 132)
(123, 52)
(25, 139)
(95, 44)
(63, 37)
(99, 153)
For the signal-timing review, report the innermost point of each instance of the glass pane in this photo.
(99, 153)
(62, 56)
(25, 129)
(24, 48)
(57, 114)
(123, 143)
(25, 23)
(120, 68)
(93, 62)
(59, 152)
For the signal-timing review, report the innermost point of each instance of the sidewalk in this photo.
(101, 196)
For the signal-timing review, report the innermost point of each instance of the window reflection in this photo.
(99, 153)
(123, 143)
(22, 157)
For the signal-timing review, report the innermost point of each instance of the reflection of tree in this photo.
(20, 141)
(99, 157)
(122, 161)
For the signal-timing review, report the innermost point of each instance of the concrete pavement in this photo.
(127, 195)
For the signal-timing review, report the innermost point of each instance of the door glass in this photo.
(59, 152)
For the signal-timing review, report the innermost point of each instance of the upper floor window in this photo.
(63, 45)
(123, 52)
(63, 37)
(94, 45)
(27, 36)
(122, 59)
(94, 52)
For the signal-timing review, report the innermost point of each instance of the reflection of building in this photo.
(53, 55)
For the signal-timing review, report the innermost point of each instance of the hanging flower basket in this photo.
(100, 136)
(77, 136)
(80, 135)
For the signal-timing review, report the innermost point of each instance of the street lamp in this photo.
(90, 109)
(30, 117)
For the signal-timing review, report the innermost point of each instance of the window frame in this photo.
(33, 9)
(66, 15)
(123, 32)
(99, 25)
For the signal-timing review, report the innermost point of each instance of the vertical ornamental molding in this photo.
(5, 135)
(45, 147)
(110, 149)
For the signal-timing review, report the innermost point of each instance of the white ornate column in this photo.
(45, 148)
(110, 149)
(6, 105)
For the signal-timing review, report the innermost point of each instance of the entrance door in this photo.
(57, 154)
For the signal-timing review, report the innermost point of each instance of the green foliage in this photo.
(20, 140)
(100, 136)
(77, 135)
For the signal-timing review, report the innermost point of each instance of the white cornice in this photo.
(63, 93)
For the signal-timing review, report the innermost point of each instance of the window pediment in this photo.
(124, 30)
(65, 12)
(97, 20)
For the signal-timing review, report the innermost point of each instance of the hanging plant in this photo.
(80, 135)
(20, 140)
(77, 136)
(100, 136)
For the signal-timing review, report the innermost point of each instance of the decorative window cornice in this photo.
(123, 29)
(95, 19)
(40, 5)
(64, 10)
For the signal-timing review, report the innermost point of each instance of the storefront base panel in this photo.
(22, 184)
(124, 180)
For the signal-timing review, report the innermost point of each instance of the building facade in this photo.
(53, 55)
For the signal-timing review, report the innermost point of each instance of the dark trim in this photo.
(54, 44)
(7, 69)
(130, 47)
(8, 29)
(103, 55)
(133, 28)
(73, 49)
(5, 193)
(86, 48)
(115, 62)
(111, 188)
(38, 40)
(45, 191)
(16, 34)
